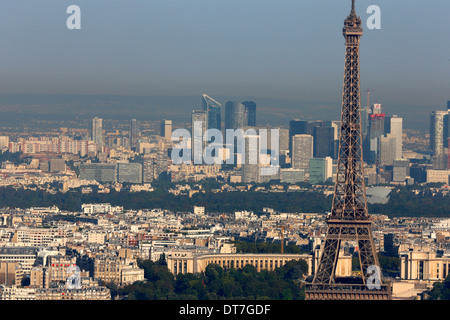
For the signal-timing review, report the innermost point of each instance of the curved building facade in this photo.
(188, 262)
(214, 109)
(235, 115)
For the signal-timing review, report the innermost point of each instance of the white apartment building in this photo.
(91, 208)
(17, 293)
(437, 176)
(26, 256)
(89, 293)
(41, 237)
(199, 210)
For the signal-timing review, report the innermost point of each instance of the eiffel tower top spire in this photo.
(352, 25)
(353, 11)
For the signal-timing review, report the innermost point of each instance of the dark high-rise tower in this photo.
(235, 115)
(323, 142)
(349, 219)
(250, 107)
(97, 131)
(214, 109)
(199, 127)
(371, 144)
(134, 133)
(240, 115)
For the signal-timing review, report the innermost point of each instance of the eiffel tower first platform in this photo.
(349, 219)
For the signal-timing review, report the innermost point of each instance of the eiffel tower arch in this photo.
(349, 219)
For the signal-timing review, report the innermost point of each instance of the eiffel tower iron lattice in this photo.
(349, 219)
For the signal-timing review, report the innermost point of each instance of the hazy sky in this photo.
(290, 49)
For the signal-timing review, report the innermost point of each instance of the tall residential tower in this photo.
(97, 131)
(134, 133)
(199, 127)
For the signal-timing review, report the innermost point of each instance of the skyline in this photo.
(266, 50)
(130, 209)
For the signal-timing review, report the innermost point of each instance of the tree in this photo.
(217, 283)
(294, 269)
(440, 290)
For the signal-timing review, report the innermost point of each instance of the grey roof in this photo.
(378, 195)
(19, 250)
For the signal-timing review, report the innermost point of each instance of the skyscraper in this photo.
(371, 144)
(394, 126)
(251, 159)
(134, 133)
(301, 127)
(437, 131)
(320, 169)
(302, 151)
(97, 131)
(235, 115)
(166, 129)
(365, 112)
(250, 107)
(199, 127)
(304, 126)
(387, 150)
(298, 127)
(214, 109)
(323, 142)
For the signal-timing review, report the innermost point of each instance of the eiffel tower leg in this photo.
(328, 261)
(359, 231)
(324, 287)
(367, 252)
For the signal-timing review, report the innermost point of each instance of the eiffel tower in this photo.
(349, 219)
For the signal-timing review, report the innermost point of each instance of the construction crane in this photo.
(282, 239)
(368, 96)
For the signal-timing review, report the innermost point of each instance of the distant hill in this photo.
(30, 110)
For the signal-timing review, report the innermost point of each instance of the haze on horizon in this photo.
(284, 49)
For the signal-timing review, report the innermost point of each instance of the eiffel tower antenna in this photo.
(349, 219)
